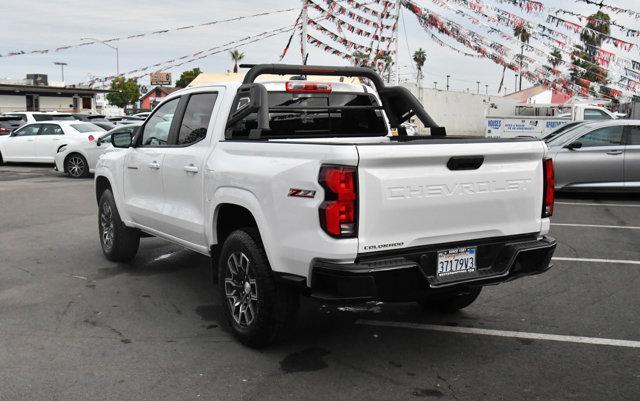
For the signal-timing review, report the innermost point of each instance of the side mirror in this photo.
(122, 139)
(574, 145)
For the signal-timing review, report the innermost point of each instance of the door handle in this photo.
(614, 152)
(154, 165)
(56, 139)
(191, 169)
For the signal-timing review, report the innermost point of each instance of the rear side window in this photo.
(311, 115)
(595, 114)
(86, 127)
(51, 129)
(634, 135)
(193, 127)
(608, 136)
(53, 117)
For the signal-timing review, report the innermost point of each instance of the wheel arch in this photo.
(102, 184)
(234, 208)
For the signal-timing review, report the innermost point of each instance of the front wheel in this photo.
(119, 242)
(451, 302)
(258, 309)
(76, 166)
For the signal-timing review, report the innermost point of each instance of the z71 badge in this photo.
(302, 193)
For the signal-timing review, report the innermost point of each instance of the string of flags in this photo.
(141, 35)
(614, 9)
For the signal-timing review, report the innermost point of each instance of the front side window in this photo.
(608, 136)
(595, 114)
(156, 130)
(51, 129)
(29, 130)
(193, 127)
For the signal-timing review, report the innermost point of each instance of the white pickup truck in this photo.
(300, 187)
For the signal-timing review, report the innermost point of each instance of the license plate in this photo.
(456, 261)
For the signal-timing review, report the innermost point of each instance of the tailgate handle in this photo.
(465, 162)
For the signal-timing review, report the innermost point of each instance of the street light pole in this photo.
(448, 81)
(478, 91)
(486, 89)
(435, 84)
(113, 47)
(61, 64)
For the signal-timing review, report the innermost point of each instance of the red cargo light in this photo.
(339, 210)
(549, 188)
(308, 87)
(91, 138)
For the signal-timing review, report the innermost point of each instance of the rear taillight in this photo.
(4, 131)
(307, 87)
(338, 212)
(91, 138)
(549, 189)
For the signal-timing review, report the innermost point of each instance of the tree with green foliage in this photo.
(555, 58)
(419, 57)
(187, 76)
(236, 57)
(360, 59)
(125, 91)
(585, 64)
(521, 33)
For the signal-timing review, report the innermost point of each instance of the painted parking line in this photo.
(504, 333)
(594, 226)
(588, 260)
(598, 204)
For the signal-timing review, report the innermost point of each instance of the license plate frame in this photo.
(453, 262)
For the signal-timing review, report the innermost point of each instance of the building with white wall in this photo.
(37, 95)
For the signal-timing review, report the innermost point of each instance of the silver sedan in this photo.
(600, 155)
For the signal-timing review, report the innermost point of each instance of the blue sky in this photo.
(48, 24)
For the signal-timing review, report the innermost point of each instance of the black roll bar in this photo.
(292, 69)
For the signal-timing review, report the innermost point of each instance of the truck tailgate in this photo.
(410, 197)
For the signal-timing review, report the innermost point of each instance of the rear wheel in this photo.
(119, 242)
(258, 309)
(76, 166)
(451, 302)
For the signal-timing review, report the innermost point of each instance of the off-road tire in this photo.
(120, 244)
(274, 306)
(452, 302)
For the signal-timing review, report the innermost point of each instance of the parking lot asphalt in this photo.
(74, 326)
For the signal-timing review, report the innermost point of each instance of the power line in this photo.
(152, 33)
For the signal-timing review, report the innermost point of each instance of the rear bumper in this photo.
(410, 274)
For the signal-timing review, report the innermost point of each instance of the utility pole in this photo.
(448, 82)
(303, 37)
(61, 64)
(521, 59)
(478, 92)
(113, 47)
(397, 44)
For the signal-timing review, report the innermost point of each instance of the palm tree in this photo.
(555, 58)
(384, 62)
(419, 57)
(236, 56)
(521, 33)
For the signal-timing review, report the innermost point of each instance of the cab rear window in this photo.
(318, 115)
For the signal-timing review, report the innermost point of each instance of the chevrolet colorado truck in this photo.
(302, 187)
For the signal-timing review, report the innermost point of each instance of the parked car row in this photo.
(13, 120)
